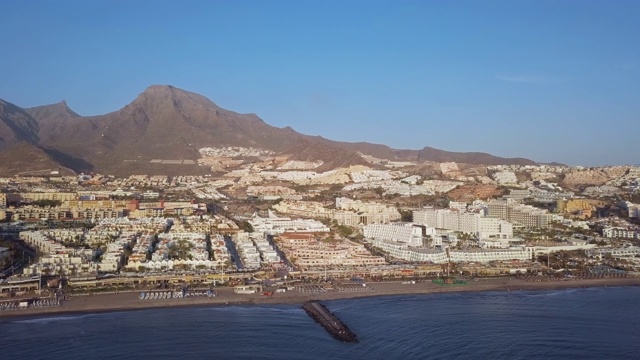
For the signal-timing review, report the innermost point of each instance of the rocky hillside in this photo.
(164, 122)
(27, 159)
(16, 126)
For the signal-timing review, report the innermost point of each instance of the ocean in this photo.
(590, 323)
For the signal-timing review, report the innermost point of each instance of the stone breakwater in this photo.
(329, 321)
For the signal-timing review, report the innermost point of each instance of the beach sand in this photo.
(130, 301)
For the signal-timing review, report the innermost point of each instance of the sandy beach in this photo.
(130, 301)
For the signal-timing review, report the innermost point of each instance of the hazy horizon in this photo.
(544, 80)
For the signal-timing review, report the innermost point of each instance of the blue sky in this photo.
(547, 80)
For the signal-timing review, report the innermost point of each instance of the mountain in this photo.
(165, 122)
(431, 154)
(52, 120)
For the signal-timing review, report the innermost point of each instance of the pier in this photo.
(329, 321)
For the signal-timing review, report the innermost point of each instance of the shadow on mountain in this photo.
(76, 164)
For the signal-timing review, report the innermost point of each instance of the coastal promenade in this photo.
(226, 296)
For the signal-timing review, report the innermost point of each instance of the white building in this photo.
(355, 212)
(458, 206)
(619, 232)
(437, 256)
(408, 233)
(525, 215)
(630, 251)
(505, 178)
(273, 225)
(470, 223)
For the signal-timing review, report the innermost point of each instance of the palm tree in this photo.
(173, 252)
(183, 248)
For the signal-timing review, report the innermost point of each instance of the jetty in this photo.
(329, 321)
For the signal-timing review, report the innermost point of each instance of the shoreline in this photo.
(129, 301)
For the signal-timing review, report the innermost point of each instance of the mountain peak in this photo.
(62, 105)
(160, 88)
(160, 92)
(59, 111)
(168, 94)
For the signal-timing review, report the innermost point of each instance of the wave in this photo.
(46, 320)
(568, 291)
(551, 293)
(254, 308)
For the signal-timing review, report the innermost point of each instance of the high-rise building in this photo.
(355, 212)
(470, 223)
(407, 233)
(525, 215)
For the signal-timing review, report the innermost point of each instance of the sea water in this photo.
(591, 323)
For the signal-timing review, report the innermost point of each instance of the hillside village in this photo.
(263, 214)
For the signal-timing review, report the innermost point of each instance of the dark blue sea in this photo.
(592, 323)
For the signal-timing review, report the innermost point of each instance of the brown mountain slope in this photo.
(431, 154)
(331, 156)
(27, 159)
(15, 126)
(164, 122)
(53, 120)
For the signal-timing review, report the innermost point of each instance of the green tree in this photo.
(47, 203)
(344, 230)
(179, 249)
(406, 215)
(246, 226)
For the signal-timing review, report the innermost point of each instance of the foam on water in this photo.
(47, 320)
(294, 309)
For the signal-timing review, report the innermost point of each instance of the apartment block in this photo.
(470, 223)
(309, 209)
(273, 225)
(355, 212)
(437, 256)
(525, 215)
(619, 232)
(308, 252)
(408, 233)
(505, 178)
(36, 196)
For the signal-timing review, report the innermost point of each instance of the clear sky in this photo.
(546, 80)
